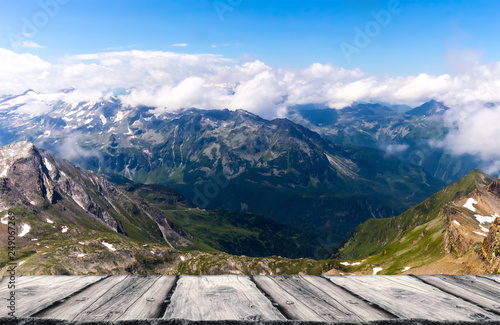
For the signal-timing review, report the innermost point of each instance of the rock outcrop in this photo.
(33, 180)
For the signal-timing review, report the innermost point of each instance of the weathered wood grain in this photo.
(151, 303)
(312, 298)
(220, 298)
(331, 299)
(408, 297)
(115, 298)
(481, 291)
(495, 278)
(35, 293)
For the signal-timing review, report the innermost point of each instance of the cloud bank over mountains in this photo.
(170, 81)
(475, 130)
(174, 80)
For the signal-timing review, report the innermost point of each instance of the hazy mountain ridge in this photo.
(412, 136)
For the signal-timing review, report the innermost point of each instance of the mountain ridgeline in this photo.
(409, 136)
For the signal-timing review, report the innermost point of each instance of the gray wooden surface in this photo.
(481, 291)
(495, 278)
(34, 293)
(115, 298)
(317, 299)
(331, 299)
(408, 297)
(230, 297)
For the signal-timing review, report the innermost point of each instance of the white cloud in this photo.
(19, 72)
(70, 149)
(180, 45)
(394, 149)
(29, 44)
(475, 130)
(171, 81)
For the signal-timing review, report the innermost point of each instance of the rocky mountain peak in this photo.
(37, 182)
(430, 108)
(32, 175)
(22, 147)
(13, 152)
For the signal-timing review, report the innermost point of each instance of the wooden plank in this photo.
(116, 298)
(35, 293)
(150, 304)
(313, 298)
(481, 291)
(220, 298)
(408, 297)
(492, 277)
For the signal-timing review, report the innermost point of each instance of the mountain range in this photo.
(221, 159)
(193, 186)
(411, 136)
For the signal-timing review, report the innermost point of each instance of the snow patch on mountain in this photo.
(4, 173)
(480, 233)
(469, 204)
(119, 116)
(483, 229)
(485, 219)
(48, 164)
(109, 246)
(25, 229)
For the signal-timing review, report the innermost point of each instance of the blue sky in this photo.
(422, 38)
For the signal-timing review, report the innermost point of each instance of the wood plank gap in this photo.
(62, 301)
(371, 303)
(168, 299)
(76, 316)
(133, 279)
(273, 302)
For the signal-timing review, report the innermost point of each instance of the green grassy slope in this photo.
(230, 232)
(375, 234)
